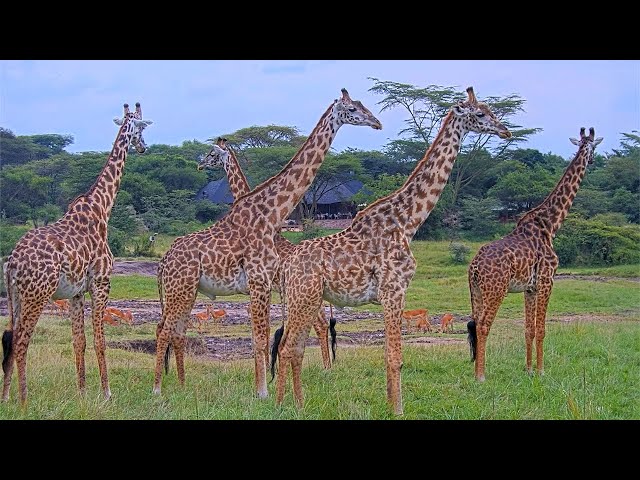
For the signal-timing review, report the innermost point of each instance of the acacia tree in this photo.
(427, 106)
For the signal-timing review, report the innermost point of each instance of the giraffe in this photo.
(524, 261)
(239, 186)
(371, 260)
(65, 259)
(238, 253)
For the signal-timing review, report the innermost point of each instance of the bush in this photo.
(117, 240)
(143, 247)
(310, 229)
(459, 252)
(9, 236)
(591, 242)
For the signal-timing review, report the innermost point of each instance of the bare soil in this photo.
(222, 346)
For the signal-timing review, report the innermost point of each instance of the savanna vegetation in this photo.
(592, 359)
(492, 183)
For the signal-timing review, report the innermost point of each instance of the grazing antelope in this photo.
(446, 323)
(61, 306)
(114, 316)
(421, 317)
(203, 316)
(218, 315)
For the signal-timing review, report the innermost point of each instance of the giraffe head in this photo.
(134, 126)
(218, 156)
(353, 112)
(478, 117)
(588, 142)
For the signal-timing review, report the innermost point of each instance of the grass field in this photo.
(592, 362)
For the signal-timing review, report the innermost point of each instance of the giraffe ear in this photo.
(118, 121)
(597, 141)
(142, 123)
(574, 141)
(459, 110)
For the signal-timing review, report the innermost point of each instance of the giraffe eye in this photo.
(352, 109)
(479, 114)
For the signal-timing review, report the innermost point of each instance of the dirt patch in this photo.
(227, 349)
(135, 267)
(593, 278)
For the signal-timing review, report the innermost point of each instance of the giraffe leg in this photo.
(284, 360)
(489, 311)
(22, 335)
(321, 327)
(291, 352)
(176, 308)
(542, 302)
(296, 371)
(529, 325)
(99, 291)
(178, 340)
(163, 336)
(260, 294)
(393, 305)
(76, 312)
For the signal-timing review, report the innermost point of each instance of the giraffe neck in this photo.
(277, 197)
(238, 184)
(105, 188)
(408, 207)
(553, 210)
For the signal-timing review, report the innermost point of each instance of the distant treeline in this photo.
(492, 182)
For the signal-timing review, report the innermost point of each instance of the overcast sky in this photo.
(199, 99)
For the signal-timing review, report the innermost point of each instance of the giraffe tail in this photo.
(277, 337)
(472, 338)
(14, 308)
(167, 356)
(332, 331)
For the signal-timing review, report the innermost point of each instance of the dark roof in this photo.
(337, 194)
(217, 191)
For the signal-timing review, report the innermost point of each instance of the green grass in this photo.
(592, 362)
(592, 372)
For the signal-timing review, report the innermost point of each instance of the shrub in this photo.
(310, 229)
(591, 242)
(117, 240)
(459, 252)
(9, 236)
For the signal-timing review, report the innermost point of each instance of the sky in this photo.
(201, 99)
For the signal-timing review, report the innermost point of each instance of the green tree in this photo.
(590, 202)
(264, 163)
(426, 108)
(264, 136)
(46, 214)
(479, 216)
(523, 189)
(22, 192)
(378, 187)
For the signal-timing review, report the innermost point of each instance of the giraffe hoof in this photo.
(541, 373)
(156, 390)
(263, 394)
(480, 378)
(530, 372)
